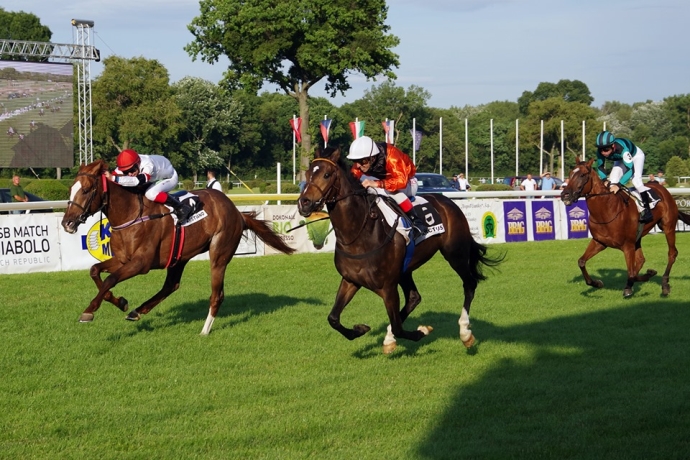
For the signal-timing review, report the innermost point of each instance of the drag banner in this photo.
(543, 227)
(515, 221)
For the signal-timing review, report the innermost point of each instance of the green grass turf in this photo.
(560, 370)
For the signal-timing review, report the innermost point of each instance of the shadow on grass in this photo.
(616, 279)
(609, 384)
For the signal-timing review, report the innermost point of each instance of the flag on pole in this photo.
(417, 139)
(357, 128)
(389, 129)
(296, 123)
(325, 129)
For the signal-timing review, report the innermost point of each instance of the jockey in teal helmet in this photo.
(628, 164)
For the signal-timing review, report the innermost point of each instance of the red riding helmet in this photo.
(127, 159)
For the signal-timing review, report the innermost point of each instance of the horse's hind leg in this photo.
(460, 263)
(346, 292)
(593, 248)
(171, 284)
(639, 262)
(670, 232)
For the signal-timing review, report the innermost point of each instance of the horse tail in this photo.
(264, 231)
(684, 216)
(479, 259)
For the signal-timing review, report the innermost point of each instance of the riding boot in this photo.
(646, 214)
(182, 210)
(419, 226)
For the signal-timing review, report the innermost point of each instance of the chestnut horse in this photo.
(614, 222)
(142, 238)
(368, 253)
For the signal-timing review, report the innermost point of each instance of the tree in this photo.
(209, 117)
(22, 26)
(134, 108)
(568, 90)
(294, 44)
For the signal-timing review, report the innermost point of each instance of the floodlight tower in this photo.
(81, 37)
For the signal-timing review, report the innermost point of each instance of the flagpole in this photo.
(325, 143)
(541, 147)
(517, 154)
(467, 173)
(440, 144)
(492, 149)
(294, 143)
(414, 136)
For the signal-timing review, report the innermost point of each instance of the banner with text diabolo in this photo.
(29, 243)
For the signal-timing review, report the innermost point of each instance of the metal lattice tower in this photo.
(82, 39)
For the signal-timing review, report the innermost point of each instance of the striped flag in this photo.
(296, 124)
(357, 128)
(325, 130)
(417, 139)
(389, 129)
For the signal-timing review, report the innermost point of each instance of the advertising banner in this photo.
(577, 218)
(515, 220)
(315, 235)
(485, 218)
(543, 220)
(29, 243)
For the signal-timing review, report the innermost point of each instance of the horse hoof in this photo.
(389, 348)
(665, 291)
(426, 330)
(86, 318)
(627, 293)
(361, 329)
(122, 304)
(133, 316)
(469, 342)
(598, 284)
(651, 273)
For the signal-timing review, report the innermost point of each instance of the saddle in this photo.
(396, 217)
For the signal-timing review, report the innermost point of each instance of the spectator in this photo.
(463, 184)
(547, 182)
(17, 192)
(529, 184)
(652, 178)
(564, 184)
(212, 181)
(660, 177)
(455, 183)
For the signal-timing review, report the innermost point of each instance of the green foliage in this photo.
(48, 189)
(285, 187)
(566, 90)
(188, 184)
(136, 108)
(22, 26)
(492, 188)
(676, 167)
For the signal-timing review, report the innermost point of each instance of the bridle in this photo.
(329, 197)
(85, 209)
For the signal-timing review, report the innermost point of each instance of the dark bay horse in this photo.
(140, 242)
(369, 254)
(614, 222)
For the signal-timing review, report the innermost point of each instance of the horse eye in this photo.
(327, 175)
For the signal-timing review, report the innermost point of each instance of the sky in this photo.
(463, 52)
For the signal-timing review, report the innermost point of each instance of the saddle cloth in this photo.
(404, 227)
(193, 200)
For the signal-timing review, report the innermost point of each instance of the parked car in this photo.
(5, 197)
(433, 183)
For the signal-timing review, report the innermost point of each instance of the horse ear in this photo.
(335, 156)
(317, 152)
(590, 162)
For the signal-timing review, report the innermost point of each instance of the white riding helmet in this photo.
(362, 147)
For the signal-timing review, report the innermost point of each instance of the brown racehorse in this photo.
(368, 253)
(614, 222)
(141, 242)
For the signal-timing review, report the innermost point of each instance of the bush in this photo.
(284, 188)
(188, 184)
(48, 189)
(493, 188)
(257, 183)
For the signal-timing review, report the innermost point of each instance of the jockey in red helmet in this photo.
(134, 169)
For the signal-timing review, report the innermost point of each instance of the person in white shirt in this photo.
(463, 184)
(528, 184)
(212, 181)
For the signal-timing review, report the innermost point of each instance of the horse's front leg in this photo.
(412, 299)
(108, 266)
(346, 292)
(122, 273)
(631, 263)
(639, 262)
(593, 248)
(391, 299)
(171, 284)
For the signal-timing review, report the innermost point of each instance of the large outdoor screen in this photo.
(36, 116)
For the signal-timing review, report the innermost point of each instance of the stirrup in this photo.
(646, 216)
